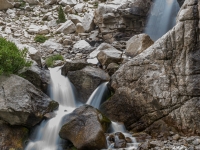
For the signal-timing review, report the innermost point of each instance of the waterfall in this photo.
(45, 136)
(98, 95)
(162, 18)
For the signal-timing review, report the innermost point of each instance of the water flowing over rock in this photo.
(87, 80)
(121, 20)
(85, 128)
(162, 83)
(21, 103)
(137, 44)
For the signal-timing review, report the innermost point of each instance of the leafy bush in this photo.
(61, 15)
(50, 60)
(40, 38)
(11, 58)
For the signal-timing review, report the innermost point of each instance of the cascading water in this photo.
(60, 90)
(162, 18)
(98, 95)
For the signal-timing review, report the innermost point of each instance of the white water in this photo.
(47, 137)
(162, 18)
(98, 95)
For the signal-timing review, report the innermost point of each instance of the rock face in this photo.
(121, 20)
(85, 128)
(137, 44)
(162, 83)
(21, 103)
(39, 77)
(12, 137)
(87, 80)
(73, 66)
(5, 4)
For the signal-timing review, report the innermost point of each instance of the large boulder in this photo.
(12, 137)
(162, 83)
(87, 80)
(82, 46)
(39, 77)
(120, 20)
(67, 27)
(21, 103)
(137, 44)
(88, 22)
(85, 128)
(5, 4)
(73, 66)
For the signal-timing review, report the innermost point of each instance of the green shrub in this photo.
(61, 15)
(50, 60)
(11, 58)
(40, 38)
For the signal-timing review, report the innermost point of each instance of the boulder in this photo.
(71, 3)
(85, 128)
(121, 20)
(87, 80)
(111, 55)
(88, 22)
(162, 83)
(32, 2)
(75, 18)
(12, 137)
(21, 103)
(52, 45)
(79, 28)
(67, 27)
(82, 46)
(5, 4)
(137, 44)
(79, 7)
(39, 77)
(38, 29)
(73, 66)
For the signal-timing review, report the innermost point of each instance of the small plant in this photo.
(11, 58)
(50, 60)
(22, 3)
(61, 15)
(96, 4)
(40, 38)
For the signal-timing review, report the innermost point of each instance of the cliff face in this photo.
(163, 82)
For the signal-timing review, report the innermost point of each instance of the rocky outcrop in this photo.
(5, 4)
(39, 77)
(85, 128)
(162, 83)
(12, 137)
(73, 66)
(121, 20)
(87, 80)
(21, 103)
(137, 44)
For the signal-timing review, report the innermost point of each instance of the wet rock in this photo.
(12, 137)
(73, 66)
(162, 83)
(67, 28)
(5, 4)
(39, 77)
(137, 44)
(120, 141)
(87, 80)
(85, 128)
(21, 103)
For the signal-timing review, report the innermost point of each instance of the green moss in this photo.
(40, 38)
(50, 60)
(11, 58)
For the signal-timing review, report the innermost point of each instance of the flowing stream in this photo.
(46, 135)
(162, 18)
